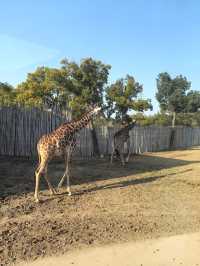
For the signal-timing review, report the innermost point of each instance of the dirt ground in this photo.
(155, 195)
(178, 250)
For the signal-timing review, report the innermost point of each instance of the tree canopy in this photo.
(88, 79)
(175, 96)
(73, 86)
(122, 97)
(163, 119)
(171, 92)
(7, 94)
(192, 101)
(47, 87)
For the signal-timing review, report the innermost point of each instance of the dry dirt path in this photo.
(181, 250)
(155, 195)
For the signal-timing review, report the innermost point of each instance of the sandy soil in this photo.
(175, 250)
(155, 195)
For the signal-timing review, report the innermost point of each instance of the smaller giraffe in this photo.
(60, 142)
(119, 139)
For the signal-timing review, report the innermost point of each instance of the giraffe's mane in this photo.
(75, 120)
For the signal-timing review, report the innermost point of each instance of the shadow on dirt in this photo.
(126, 183)
(17, 175)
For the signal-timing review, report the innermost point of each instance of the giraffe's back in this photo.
(54, 144)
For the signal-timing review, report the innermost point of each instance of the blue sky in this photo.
(141, 38)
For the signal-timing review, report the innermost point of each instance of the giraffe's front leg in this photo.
(68, 182)
(65, 173)
(68, 188)
(62, 180)
(51, 188)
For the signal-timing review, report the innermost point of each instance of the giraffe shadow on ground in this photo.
(17, 175)
(93, 171)
(123, 184)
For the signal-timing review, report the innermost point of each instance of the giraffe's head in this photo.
(94, 109)
(132, 124)
(129, 124)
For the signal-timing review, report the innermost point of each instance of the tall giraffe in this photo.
(60, 142)
(119, 139)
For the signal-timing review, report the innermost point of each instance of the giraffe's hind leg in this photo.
(122, 158)
(41, 170)
(129, 151)
(111, 157)
(52, 190)
(38, 167)
(66, 173)
(113, 152)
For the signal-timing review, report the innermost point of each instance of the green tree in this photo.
(123, 97)
(89, 79)
(163, 119)
(46, 87)
(73, 85)
(160, 119)
(7, 94)
(171, 94)
(192, 101)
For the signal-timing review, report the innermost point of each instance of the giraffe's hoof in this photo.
(53, 192)
(37, 200)
(59, 185)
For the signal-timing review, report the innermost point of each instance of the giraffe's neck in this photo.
(75, 126)
(129, 126)
(125, 130)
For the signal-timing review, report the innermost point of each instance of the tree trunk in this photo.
(95, 140)
(172, 136)
(173, 119)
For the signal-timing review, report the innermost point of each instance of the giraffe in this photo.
(60, 142)
(119, 139)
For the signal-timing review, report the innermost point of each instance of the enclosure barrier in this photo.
(20, 130)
